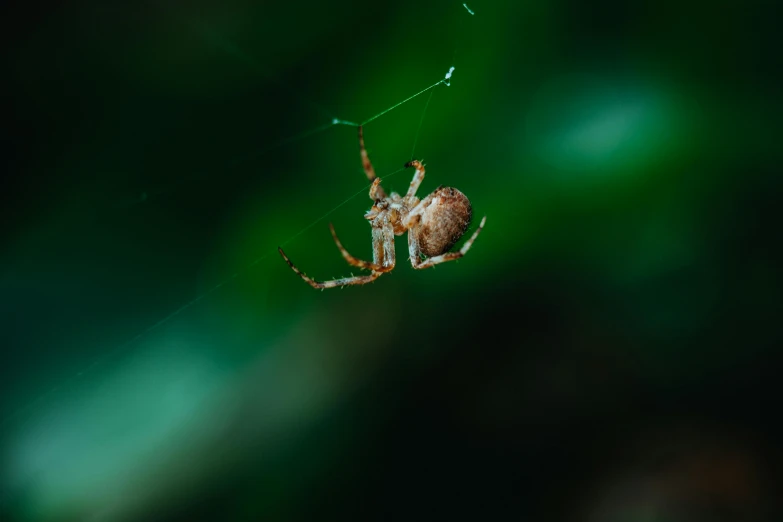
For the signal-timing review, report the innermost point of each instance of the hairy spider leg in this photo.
(414, 251)
(352, 260)
(418, 176)
(378, 193)
(383, 245)
(353, 280)
(383, 257)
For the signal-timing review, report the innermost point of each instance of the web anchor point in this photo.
(448, 76)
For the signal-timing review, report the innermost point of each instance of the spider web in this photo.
(392, 102)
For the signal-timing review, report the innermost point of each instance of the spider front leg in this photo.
(350, 259)
(415, 251)
(418, 177)
(383, 257)
(354, 280)
(376, 192)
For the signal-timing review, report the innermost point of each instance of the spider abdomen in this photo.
(444, 219)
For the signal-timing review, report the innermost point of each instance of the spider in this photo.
(434, 224)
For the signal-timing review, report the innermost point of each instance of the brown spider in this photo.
(434, 224)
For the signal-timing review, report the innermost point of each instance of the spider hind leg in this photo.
(420, 264)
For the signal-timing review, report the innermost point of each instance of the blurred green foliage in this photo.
(606, 351)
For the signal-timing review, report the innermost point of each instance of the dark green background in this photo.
(608, 350)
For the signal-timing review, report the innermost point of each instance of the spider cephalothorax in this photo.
(434, 225)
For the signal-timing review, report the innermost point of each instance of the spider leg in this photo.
(417, 177)
(376, 192)
(349, 258)
(383, 246)
(436, 260)
(346, 281)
